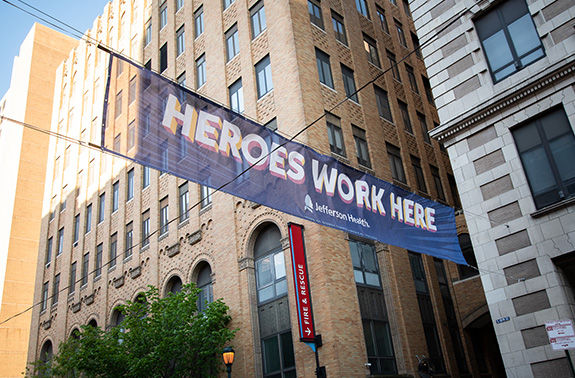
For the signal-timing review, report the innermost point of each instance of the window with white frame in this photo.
(264, 76)
(324, 68)
(232, 42)
(236, 92)
(258, 19)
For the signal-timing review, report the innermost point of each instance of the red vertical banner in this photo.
(301, 283)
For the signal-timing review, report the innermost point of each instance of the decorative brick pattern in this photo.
(496, 187)
(529, 303)
(522, 271)
(488, 162)
(513, 242)
(534, 337)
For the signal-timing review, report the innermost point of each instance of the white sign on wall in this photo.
(561, 334)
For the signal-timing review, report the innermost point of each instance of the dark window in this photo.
(416, 163)
(131, 135)
(205, 196)
(270, 265)
(406, 8)
(118, 106)
(44, 303)
(85, 268)
(148, 33)
(88, 218)
(393, 65)
(437, 181)
(427, 87)
(426, 311)
(145, 177)
(349, 83)
(199, 21)
(101, 207)
(184, 202)
(362, 7)
(236, 92)
(547, 149)
(164, 216)
(361, 146)
(76, 228)
(72, 285)
(49, 251)
(335, 135)
(382, 20)
(314, 10)
(60, 241)
(400, 34)
(99, 252)
(509, 38)
(423, 125)
(129, 240)
(395, 163)
(232, 42)
(383, 103)
(113, 249)
(146, 228)
(201, 71)
(411, 77)
(130, 185)
(164, 57)
(405, 117)
(365, 266)
(163, 15)
(174, 285)
(416, 45)
(264, 76)
(324, 68)
(115, 196)
(258, 19)
(133, 90)
(371, 49)
(206, 295)
(180, 41)
(338, 28)
(56, 289)
(278, 355)
(379, 347)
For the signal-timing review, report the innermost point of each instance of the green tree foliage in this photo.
(159, 337)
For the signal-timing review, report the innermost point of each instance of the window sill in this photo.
(265, 95)
(145, 248)
(318, 27)
(328, 87)
(184, 223)
(205, 209)
(127, 259)
(556, 206)
(163, 236)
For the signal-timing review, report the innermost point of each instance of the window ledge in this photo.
(265, 95)
(328, 87)
(556, 206)
(163, 236)
(318, 27)
(205, 209)
(145, 248)
(184, 223)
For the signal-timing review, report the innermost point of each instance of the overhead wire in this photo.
(83, 36)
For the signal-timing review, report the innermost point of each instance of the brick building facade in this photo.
(374, 303)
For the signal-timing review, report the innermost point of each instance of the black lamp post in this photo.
(228, 355)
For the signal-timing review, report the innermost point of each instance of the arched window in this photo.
(275, 330)
(467, 249)
(117, 318)
(205, 285)
(174, 285)
(46, 354)
(270, 265)
(93, 323)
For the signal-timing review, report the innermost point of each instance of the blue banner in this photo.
(157, 123)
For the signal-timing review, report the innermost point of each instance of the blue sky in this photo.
(15, 25)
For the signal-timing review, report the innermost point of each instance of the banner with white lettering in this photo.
(155, 122)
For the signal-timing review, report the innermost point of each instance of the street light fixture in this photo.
(228, 355)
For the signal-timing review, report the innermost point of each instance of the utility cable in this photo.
(290, 139)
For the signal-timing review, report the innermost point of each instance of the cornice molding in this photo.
(536, 86)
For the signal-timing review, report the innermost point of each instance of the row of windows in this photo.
(183, 214)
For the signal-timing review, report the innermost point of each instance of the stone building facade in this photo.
(106, 237)
(502, 76)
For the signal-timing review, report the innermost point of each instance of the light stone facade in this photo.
(23, 154)
(523, 249)
(223, 234)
